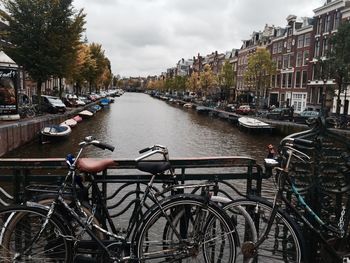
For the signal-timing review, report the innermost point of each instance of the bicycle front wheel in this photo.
(25, 238)
(186, 229)
(284, 242)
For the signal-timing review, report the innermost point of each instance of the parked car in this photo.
(244, 109)
(85, 99)
(70, 100)
(304, 116)
(50, 104)
(280, 114)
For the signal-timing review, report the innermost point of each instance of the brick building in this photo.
(290, 50)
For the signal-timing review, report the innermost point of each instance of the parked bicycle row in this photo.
(189, 224)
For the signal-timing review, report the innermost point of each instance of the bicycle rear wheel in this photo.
(205, 233)
(284, 242)
(24, 239)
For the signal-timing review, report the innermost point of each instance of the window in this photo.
(289, 79)
(307, 40)
(325, 47)
(273, 81)
(297, 79)
(280, 47)
(304, 79)
(278, 80)
(299, 59)
(279, 62)
(319, 26)
(274, 48)
(317, 48)
(327, 23)
(285, 61)
(306, 57)
(300, 41)
(284, 80)
(289, 45)
(336, 20)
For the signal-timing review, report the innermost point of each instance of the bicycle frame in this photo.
(86, 221)
(280, 198)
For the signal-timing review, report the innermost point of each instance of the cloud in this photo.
(145, 37)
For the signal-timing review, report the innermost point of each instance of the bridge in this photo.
(324, 181)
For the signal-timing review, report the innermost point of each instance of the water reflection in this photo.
(136, 120)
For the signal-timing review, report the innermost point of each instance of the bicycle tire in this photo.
(21, 238)
(285, 242)
(204, 228)
(47, 199)
(30, 113)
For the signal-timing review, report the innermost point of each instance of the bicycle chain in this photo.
(341, 222)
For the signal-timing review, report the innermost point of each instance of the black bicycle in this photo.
(279, 236)
(179, 228)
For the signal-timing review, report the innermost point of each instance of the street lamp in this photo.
(323, 98)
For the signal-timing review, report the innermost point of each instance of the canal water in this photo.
(137, 120)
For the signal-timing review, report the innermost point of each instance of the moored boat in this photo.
(70, 122)
(77, 118)
(188, 105)
(85, 114)
(203, 109)
(95, 108)
(54, 132)
(253, 124)
(104, 102)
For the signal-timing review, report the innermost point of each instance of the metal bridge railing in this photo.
(124, 182)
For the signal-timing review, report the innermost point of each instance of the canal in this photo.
(137, 120)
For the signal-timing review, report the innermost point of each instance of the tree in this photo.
(44, 34)
(97, 54)
(180, 83)
(193, 83)
(227, 79)
(208, 80)
(340, 60)
(259, 70)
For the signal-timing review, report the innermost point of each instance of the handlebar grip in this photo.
(304, 142)
(145, 150)
(104, 146)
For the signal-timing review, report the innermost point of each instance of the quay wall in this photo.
(14, 134)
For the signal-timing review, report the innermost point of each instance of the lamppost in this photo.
(323, 98)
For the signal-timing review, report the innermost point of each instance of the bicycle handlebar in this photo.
(157, 148)
(103, 146)
(154, 148)
(89, 140)
(298, 142)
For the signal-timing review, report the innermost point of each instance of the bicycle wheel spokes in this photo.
(193, 233)
(283, 241)
(22, 238)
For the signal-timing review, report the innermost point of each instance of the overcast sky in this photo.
(145, 37)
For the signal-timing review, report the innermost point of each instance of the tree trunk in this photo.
(60, 90)
(38, 93)
(338, 98)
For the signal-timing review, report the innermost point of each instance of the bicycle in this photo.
(182, 227)
(279, 236)
(27, 111)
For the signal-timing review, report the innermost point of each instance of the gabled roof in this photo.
(6, 61)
